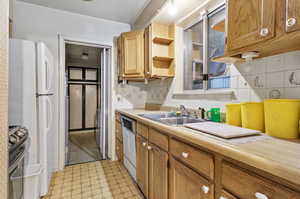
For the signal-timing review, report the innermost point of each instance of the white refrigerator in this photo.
(31, 98)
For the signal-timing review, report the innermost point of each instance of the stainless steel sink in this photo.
(171, 119)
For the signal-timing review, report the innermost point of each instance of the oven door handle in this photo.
(16, 163)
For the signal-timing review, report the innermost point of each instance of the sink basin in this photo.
(171, 119)
(180, 120)
(157, 116)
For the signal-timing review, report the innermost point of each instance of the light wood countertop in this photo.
(278, 157)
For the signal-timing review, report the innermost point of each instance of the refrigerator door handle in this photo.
(49, 75)
(47, 78)
(49, 112)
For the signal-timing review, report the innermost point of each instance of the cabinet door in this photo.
(142, 164)
(249, 22)
(226, 195)
(186, 183)
(158, 173)
(148, 52)
(292, 15)
(133, 46)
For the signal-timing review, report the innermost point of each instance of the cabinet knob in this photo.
(185, 155)
(260, 196)
(291, 22)
(264, 32)
(222, 197)
(149, 148)
(144, 144)
(205, 189)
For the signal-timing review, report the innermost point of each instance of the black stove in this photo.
(17, 136)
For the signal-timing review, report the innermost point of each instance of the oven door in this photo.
(16, 178)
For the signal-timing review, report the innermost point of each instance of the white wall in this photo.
(39, 23)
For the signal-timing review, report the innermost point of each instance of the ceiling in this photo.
(125, 11)
(74, 56)
(183, 7)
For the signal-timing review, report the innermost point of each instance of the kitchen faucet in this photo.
(183, 110)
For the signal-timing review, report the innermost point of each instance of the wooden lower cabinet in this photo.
(119, 150)
(142, 164)
(142, 130)
(168, 168)
(119, 134)
(158, 173)
(192, 156)
(246, 185)
(119, 139)
(186, 183)
(226, 195)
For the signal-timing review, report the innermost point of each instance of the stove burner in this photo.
(17, 136)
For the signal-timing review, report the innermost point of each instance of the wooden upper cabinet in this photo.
(133, 54)
(186, 183)
(292, 15)
(158, 173)
(249, 22)
(142, 164)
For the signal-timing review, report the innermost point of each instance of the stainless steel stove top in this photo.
(17, 136)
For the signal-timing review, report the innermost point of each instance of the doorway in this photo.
(85, 126)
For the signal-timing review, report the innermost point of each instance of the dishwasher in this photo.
(129, 147)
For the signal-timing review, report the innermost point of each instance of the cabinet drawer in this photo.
(159, 139)
(246, 185)
(199, 160)
(226, 195)
(142, 130)
(119, 135)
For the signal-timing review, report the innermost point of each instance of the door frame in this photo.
(62, 41)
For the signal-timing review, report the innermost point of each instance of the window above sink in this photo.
(202, 43)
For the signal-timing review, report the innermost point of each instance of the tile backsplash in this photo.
(131, 95)
(271, 77)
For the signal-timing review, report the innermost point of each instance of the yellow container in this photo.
(233, 114)
(253, 116)
(282, 117)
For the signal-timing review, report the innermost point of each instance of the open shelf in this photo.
(197, 60)
(197, 44)
(163, 59)
(227, 59)
(220, 26)
(162, 40)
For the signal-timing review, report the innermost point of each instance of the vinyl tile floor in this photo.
(83, 147)
(95, 180)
